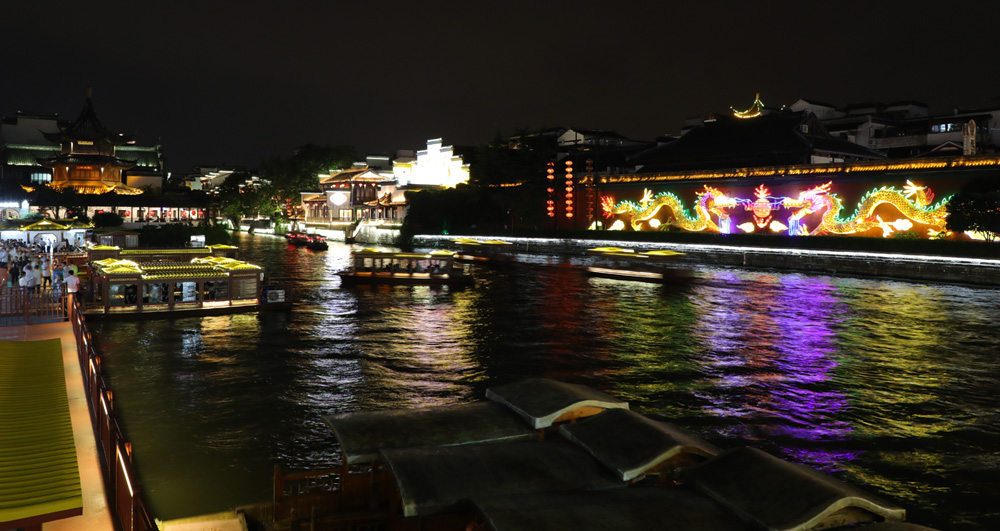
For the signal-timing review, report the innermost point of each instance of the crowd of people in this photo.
(31, 266)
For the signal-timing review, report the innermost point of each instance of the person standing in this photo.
(57, 272)
(36, 268)
(46, 273)
(72, 286)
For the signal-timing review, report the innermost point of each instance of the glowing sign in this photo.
(913, 204)
(338, 198)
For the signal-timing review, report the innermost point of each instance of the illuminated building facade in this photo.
(83, 155)
(344, 196)
(369, 191)
(108, 170)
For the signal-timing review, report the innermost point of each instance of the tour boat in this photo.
(167, 282)
(491, 252)
(371, 266)
(647, 266)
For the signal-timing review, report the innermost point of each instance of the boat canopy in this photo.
(776, 494)
(542, 401)
(676, 509)
(444, 479)
(363, 434)
(648, 446)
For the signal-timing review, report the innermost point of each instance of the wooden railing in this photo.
(125, 497)
(21, 306)
(330, 498)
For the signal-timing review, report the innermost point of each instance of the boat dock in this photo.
(95, 512)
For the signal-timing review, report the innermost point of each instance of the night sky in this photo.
(230, 83)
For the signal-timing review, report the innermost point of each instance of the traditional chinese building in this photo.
(87, 161)
(367, 192)
(39, 149)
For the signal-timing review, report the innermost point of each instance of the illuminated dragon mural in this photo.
(712, 211)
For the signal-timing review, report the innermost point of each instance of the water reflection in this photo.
(885, 384)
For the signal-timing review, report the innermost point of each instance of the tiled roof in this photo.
(87, 127)
(27, 155)
(142, 157)
(769, 140)
(90, 160)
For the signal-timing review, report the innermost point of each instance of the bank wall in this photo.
(923, 268)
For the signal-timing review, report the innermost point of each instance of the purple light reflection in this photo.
(788, 373)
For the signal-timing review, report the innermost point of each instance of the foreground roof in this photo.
(542, 401)
(435, 480)
(362, 435)
(777, 494)
(632, 444)
(39, 474)
(608, 510)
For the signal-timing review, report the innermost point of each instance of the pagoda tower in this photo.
(87, 161)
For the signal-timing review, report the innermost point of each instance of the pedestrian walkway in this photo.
(96, 515)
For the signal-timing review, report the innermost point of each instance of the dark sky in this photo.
(229, 83)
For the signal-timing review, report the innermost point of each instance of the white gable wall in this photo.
(435, 166)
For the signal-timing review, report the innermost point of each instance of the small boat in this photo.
(491, 252)
(371, 266)
(317, 242)
(647, 266)
(297, 238)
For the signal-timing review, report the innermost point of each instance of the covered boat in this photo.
(157, 282)
(662, 266)
(484, 252)
(371, 266)
(541, 454)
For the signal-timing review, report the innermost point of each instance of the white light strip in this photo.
(125, 472)
(642, 246)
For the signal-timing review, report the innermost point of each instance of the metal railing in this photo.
(125, 497)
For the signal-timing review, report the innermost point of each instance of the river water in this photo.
(889, 385)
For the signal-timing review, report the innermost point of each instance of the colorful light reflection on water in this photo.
(885, 384)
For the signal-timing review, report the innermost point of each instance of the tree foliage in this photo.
(108, 219)
(515, 177)
(452, 210)
(289, 176)
(242, 197)
(977, 208)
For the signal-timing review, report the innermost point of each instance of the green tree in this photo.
(108, 219)
(977, 208)
(300, 173)
(516, 177)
